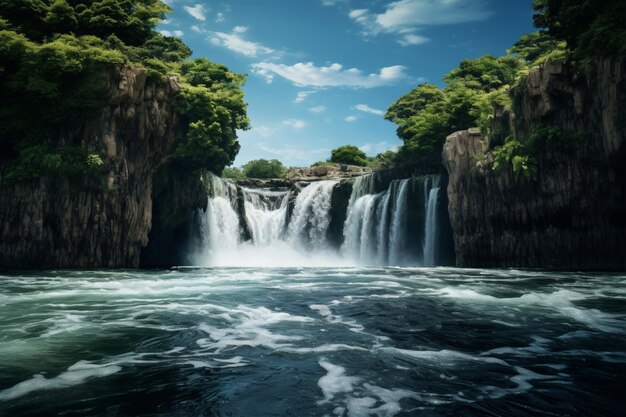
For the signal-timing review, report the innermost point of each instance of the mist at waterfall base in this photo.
(396, 224)
(338, 342)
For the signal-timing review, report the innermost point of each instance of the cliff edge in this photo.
(104, 222)
(573, 214)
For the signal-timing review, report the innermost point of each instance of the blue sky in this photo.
(321, 73)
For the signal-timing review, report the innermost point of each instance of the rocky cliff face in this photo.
(56, 223)
(574, 215)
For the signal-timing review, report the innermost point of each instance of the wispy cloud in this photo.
(176, 33)
(318, 109)
(302, 95)
(198, 11)
(264, 131)
(404, 18)
(332, 2)
(294, 154)
(367, 109)
(351, 119)
(306, 74)
(219, 17)
(296, 124)
(379, 147)
(236, 43)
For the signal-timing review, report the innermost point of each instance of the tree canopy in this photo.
(571, 29)
(262, 168)
(58, 54)
(590, 27)
(348, 154)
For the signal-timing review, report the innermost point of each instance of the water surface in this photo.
(312, 342)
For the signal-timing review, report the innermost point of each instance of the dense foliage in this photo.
(56, 57)
(348, 154)
(262, 168)
(427, 115)
(590, 27)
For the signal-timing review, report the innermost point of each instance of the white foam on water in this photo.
(335, 381)
(357, 398)
(332, 347)
(65, 323)
(444, 357)
(325, 312)
(278, 254)
(250, 330)
(75, 375)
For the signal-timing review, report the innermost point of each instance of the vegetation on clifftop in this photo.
(55, 57)
(570, 30)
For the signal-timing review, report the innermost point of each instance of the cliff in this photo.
(54, 222)
(573, 215)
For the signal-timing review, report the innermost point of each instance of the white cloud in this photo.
(307, 74)
(176, 33)
(295, 154)
(219, 17)
(318, 109)
(351, 119)
(405, 17)
(412, 39)
(295, 123)
(198, 29)
(198, 11)
(331, 2)
(236, 43)
(302, 95)
(378, 147)
(367, 109)
(264, 131)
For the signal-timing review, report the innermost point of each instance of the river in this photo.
(312, 342)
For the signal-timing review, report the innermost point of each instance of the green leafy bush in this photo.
(513, 154)
(262, 168)
(348, 154)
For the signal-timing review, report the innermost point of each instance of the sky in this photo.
(321, 73)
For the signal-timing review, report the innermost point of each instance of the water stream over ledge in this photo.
(312, 342)
(401, 223)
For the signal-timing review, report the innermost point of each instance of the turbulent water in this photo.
(312, 342)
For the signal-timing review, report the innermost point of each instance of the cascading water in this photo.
(374, 226)
(395, 226)
(430, 228)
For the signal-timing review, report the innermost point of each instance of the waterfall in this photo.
(430, 227)
(266, 213)
(310, 219)
(375, 225)
(219, 226)
(393, 225)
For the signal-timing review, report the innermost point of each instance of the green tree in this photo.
(60, 54)
(590, 27)
(536, 47)
(348, 154)
(233, 172)
(262, 168)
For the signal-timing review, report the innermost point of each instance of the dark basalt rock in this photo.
(53, 223)
(574, 215)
